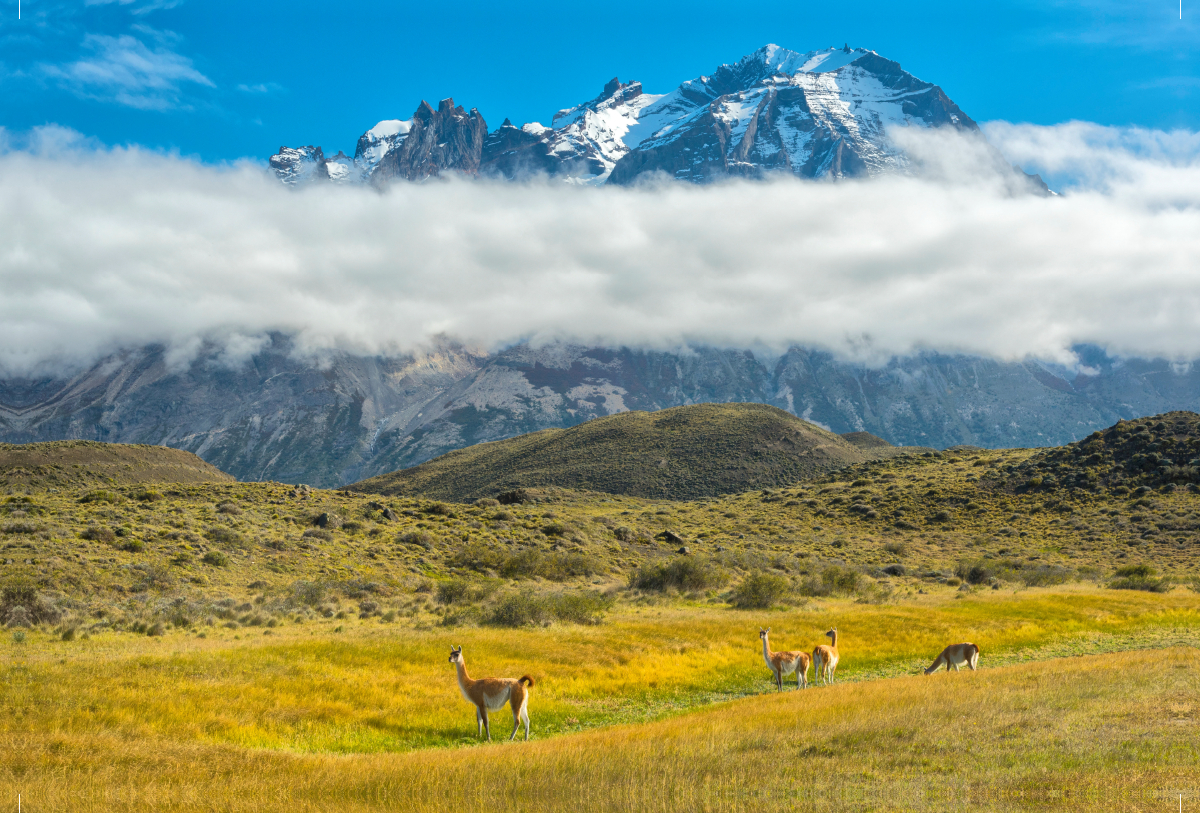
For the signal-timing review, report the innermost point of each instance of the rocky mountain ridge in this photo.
(820, 114)
(285, 417)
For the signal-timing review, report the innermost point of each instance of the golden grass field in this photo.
(212, 645)
(660, 708)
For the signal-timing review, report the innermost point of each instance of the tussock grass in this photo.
(1088, 733)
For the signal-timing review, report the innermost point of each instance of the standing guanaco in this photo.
(490, 694)
(956, 655)
(784, 663)
(825, 659)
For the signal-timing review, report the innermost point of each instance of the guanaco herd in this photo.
(492, 694)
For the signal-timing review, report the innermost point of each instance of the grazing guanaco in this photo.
(490, 694)
(956, 655)
(825, 659)
(784, 663)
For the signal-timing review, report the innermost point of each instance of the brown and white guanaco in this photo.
(955, 656)
(825, 659)
(784, 663)
(490, 694)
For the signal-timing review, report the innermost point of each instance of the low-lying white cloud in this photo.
(105, 249)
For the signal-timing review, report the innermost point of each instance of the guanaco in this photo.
(825, 659)
(490, 694)
(956, 655)
(784, 663)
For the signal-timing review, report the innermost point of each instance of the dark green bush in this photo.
(557, 567)
(308, 593)
(98, 534)
(759, 590)
(223, 535)
(317, 533)
(101, 496)
(418, 539)
(1044, 575)
(133, 546)
(525, 609)
(462, 591)
(1139, 577)
(215, 558)
(681, 573)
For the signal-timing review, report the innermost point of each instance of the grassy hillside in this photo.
(246, 554)
(80, 463)
(681, 453)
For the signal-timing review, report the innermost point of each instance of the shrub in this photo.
(229, 508)
(487, 502)
(554, 529)
(525, 609)
(478, 557)
(68, 633)
(98, 534)
(147, 496)
(215, 558)
(1139, 577)
(101, 496)
(514, 497)
(1044, 575)
(438, 509)
(683, 573)
(759, 590)
(895, 570)
(223, 535)
(133, 546)
(419, 539)
(896, 548)
(624, 534)
(840, 579)
(317, 533)
(19, 528)
(977, 572)
(460, 591)
(308, 593)
(557, 567)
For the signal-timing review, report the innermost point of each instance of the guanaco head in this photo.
(762, 633)
(456, 655)
(832, 635)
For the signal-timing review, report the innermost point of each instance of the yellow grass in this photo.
(305, 701)
(1091, 733)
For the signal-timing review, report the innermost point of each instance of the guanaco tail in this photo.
(490, 694)
(825, 659)
(955, 656)
(784, 663)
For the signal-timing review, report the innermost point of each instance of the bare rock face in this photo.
(517, 152)
(446, 139)
(299, 165)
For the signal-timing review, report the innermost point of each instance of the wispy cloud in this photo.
(263, 87)
(103, 249)
(126, 70)
(137, 6)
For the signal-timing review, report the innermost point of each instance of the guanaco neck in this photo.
(767, 653)
(464, 680)
(833, 641)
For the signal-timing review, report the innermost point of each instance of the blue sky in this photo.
(223, 80)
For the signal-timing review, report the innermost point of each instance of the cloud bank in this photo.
(106, 249)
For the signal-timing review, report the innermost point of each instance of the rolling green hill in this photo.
(681, 453)
(76, 463)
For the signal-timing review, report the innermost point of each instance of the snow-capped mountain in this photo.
(813, 115)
